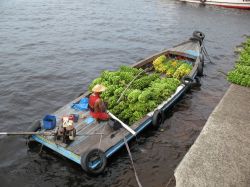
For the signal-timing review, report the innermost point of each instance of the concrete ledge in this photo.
(221, 154)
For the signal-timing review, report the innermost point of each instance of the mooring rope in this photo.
(41, 149)
(204, 50)
(129, 153)
(100, 141)
(132, 162)
(169, 182)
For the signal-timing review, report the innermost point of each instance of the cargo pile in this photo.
(241, 73)
(172, 68)
(145, 92)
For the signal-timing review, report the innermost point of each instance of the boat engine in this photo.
(66, 130)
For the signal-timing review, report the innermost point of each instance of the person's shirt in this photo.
(92, 100)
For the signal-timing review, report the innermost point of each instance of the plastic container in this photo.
(49, 122)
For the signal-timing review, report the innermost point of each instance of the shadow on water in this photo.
(51, 50)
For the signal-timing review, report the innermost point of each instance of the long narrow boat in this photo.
(239, 4)
(91, 153)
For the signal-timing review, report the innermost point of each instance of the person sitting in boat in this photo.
(97, 106)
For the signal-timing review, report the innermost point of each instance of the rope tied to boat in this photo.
(132, 162)
(100, 141)
(126, 144)
(204, 51)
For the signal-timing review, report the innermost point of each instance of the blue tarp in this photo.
(82, 105)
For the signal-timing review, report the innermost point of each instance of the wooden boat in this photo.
(239, 4)
(91, 153)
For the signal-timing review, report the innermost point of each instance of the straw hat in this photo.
(98, 88)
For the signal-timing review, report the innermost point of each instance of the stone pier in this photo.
(221, 154)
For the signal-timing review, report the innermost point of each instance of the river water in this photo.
(50, 50)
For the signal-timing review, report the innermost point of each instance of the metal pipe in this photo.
(27, 133)
(123, 124)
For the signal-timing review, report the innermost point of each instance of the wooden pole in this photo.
(27, 133)
(42, 133)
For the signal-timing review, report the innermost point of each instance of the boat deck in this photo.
(88, 134)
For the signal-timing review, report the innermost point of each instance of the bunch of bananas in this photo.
(159, 64)
(183, 70)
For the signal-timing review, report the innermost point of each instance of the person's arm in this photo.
(97, 106)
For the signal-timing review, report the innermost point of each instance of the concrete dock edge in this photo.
(221, 154)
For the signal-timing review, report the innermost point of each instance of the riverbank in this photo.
(220, 155)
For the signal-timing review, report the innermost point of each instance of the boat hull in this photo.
(112, 141)
(238, 4)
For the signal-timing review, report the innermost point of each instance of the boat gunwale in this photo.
(241, 5)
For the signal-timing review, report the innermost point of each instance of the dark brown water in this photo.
(50, 50)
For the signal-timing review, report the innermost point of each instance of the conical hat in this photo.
(98, 88)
